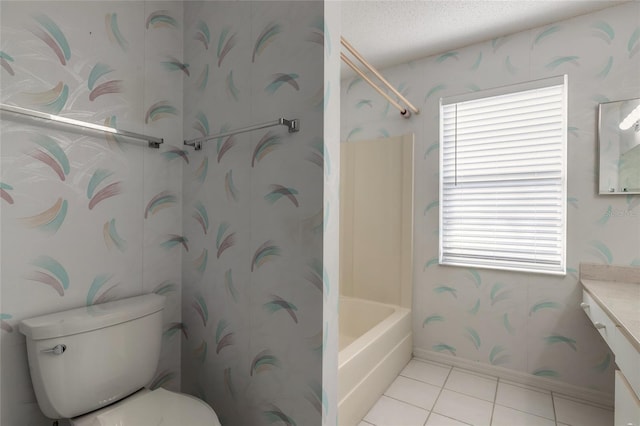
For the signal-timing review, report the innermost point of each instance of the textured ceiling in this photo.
(391, 32)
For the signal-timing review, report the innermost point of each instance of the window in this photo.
(502, 177)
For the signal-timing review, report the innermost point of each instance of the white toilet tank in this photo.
(86, 358)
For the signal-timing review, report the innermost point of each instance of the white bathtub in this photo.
(375, 344)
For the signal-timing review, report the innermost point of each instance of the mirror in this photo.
(619, 146)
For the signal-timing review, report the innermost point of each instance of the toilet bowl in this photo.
(90, 365)
(151, 408)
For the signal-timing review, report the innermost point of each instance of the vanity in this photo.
(611, 300)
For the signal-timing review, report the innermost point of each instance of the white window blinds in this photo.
(502, 178)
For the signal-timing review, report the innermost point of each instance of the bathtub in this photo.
(375, 344)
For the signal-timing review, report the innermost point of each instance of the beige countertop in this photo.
(621, 301)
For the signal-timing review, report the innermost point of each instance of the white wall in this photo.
(525, 322)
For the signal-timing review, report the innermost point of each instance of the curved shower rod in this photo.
(403, 111)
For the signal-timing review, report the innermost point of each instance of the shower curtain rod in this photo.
(153, 141)
(293, 126)
(403, 111)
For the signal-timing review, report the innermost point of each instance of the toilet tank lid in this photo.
(92, 317)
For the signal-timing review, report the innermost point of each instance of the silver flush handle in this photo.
(56, 350)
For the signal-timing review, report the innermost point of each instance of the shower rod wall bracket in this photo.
(292, 125)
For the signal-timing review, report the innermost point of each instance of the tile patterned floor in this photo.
(431, 394)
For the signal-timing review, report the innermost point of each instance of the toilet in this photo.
(90, 365)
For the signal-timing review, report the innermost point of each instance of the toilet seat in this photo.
(151, 408)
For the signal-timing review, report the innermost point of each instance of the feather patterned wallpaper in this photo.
(88, 218)
(524, 322)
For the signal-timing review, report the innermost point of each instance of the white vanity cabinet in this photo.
(614, 309)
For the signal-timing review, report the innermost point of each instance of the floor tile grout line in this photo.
(438, 397)
(553, 403)
(495, 398)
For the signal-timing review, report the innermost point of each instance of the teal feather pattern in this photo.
(279, 191)
(223, 242)
(476, 64)
(111, 237)
(266, 252)
(433, 147)
(98, 176)
(498, 293)
(202, 34)
(51, 155)
(161, 379)
(498, 42)
(96, 285)
(476, 307)
(507, 325)
(228, 284)
(53, 37)
(546, 373)
(173, 64)
(353, 132)
(317, 153)
(604, 31)
(165, 287)
(354, 82)
(606, 69)
(496, 357)
(435, 89)
(475, 277)
(317, 396)
(5, 58)
(161, 18)
(433, 318)
(223, 339)
(225, 45)
(633, 201)
(545, 304)
(633, 46)
(603, 365)
(229, 143)
(160, 201)
(429, 263)
(160, 110)
(446, 56)
(201, 262)
(572, 272)
(317, 34)
(275, 415)
(281, 78)
(201, 172)
(573, 131)
(267, 35)
(4, 192)
(556, 62)
(173, 153)
(364, 102)
(445, 289)
(201, 216)
(49, 220)
(472, 87)
(316, 274)
(113, 31)
(277, 303)
(200, 353)
(52, 100)
(201, 82)
(54, 276)
(228, 384)
(232, 90)
(444, 348)
(229, 187)
(200, 306)
(173, 327)
(97, 71)
(473, 336)
(4, 324)
(573, 202)
(551, 340)
(269, 142)
(545, 33)
(430, 206)
(384, 133)
(601, 251)
(263, 361)
(201, 124)
(605, 217)
(174, 240)
(111, 86)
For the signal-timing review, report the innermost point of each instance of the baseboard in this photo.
(594, 397)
